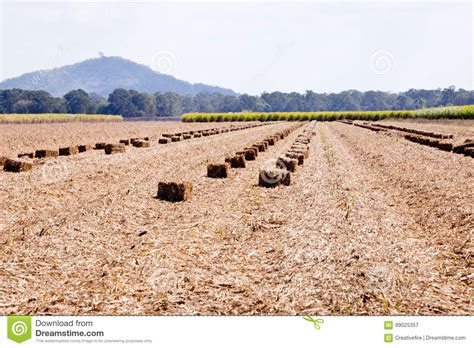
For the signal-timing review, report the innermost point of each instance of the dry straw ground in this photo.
(370, 225)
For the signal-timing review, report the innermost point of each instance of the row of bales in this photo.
(182, 191)
(279, 172)
(175, 137)
(19, 165)
(250, 153)
(432, 139)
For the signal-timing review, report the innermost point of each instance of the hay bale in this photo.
(305, 152)
(99, 146)
(84, 148)
(125, 141)
(167, 135)
(271, 141)
(197, 135)
(141, 143)
(175, 139)
(111, 149)
(27, 154)
(68, 151)
(17, 166)
(218, 170)
(469, 152)
(289, 164)
(260, 147)
(174, 192)
(164, 140)
(237, 161)
(206, 134)
(187, 136)
(273, 177)
(297, 156)
(146, 138)
(46, 153)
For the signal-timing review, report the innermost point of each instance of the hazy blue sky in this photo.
(252, 47)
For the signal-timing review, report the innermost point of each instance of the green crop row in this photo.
(52, 118)
(459, 112)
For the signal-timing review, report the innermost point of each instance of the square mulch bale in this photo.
(218, 170)
(289, 164)
(17, 166)
(271, 141)
(125, 141)
(111, 149)
(68, 151)
(176, 139)
(260, 147)
(305, 152)
(164, 140)
(206, 134)
(297, 156)
(273, 177)
(27, 155)
(250, 154)
(99, 146)
(167, 135)
(175, 192)
(237, 161)
(187, 136)
(197, 135)
(141, 143)
(84, 148)
(46, 153)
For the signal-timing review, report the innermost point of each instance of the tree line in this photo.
(130, 103)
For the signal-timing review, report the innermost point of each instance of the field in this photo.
(53, 118)
(449, 112)
(372, 223)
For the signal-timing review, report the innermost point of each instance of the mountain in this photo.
(103, 75)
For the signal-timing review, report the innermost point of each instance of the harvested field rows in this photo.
(370, 224)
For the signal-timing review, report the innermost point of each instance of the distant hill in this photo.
(103, 75)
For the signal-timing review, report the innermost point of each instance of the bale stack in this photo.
(287, 163)
(84, 148)
(99, 146)
(16, 166)
(273, 177)
(27, 155)
(111, 149)
(237, 161)
(46, 153)
(164, 140)
(218, 170)
(141, 143)
(125, 141)
(174, 191)
(68, 151)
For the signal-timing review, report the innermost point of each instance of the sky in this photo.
(252, 47)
